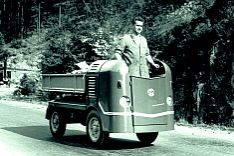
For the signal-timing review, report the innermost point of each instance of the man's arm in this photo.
(118, 56)
(151, 61)
(120, 47)
(149, 57)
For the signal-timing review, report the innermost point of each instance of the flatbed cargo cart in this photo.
(107, 100)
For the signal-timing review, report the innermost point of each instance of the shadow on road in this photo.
(74, 138)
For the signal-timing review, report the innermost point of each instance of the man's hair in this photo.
(138, 18)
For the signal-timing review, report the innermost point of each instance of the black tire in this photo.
(95, 133)
(57, 125)
(147, 138)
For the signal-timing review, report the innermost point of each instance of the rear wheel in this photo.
(57, 125)
(96, 135)
(147, 138)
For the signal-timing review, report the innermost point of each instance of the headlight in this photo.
(169, 101)
(124, 101)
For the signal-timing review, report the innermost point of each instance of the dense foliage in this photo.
(27, 86)
(195, 37)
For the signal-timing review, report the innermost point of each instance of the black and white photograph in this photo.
(116, 77)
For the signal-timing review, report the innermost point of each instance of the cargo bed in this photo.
(70, 83)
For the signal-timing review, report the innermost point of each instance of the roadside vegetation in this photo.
(194, 37)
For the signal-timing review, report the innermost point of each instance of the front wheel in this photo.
(147, 138)
(57, 125)
(94, 130)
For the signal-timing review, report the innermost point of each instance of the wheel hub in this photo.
(94, 129)
(55, 122)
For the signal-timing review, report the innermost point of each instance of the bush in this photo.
(27, 86)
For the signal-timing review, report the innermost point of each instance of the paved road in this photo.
(25, 132)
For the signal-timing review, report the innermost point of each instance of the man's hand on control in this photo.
(157, 66)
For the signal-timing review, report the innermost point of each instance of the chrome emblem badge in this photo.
(151, 92)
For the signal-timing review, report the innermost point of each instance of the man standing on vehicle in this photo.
(133, 49)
